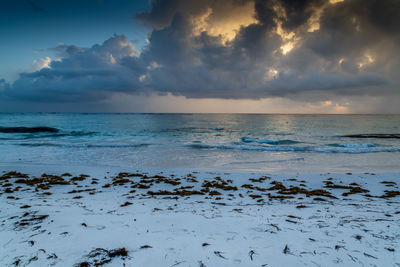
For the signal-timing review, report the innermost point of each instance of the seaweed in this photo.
(355, 190)
(127, 203)
(390, 194)
(219, 254)
(286, 249)
(44, 182)
(100, 256)
(176, 192)
(13, 174)
(259, 180)
(251, 253)
(29, 220)
(220, 185)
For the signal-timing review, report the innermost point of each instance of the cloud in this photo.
(234, 49)
(82, 75)
(40, 63)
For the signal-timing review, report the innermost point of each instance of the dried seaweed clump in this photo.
(44, 182)
(181, 193)
(220, 184)
(101, 256)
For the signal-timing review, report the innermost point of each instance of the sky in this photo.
(240, 56)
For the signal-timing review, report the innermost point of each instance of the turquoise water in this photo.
(239, 142)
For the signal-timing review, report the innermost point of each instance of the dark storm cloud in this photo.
(84, 74)
(289, 48)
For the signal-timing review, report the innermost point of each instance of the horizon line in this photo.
(182, 113)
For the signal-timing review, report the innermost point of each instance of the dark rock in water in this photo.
(28, 130)
(396, 136)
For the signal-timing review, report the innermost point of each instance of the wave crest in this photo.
(268, 141)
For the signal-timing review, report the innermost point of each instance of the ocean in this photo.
(227, 142)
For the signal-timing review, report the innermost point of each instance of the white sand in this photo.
(348, 231)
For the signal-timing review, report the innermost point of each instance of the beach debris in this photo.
(370, 256)
(177, 263)
(205, 244)
(286, 250)
(181, 193)
(34, 258)
(44, 182)
(16, 262)
(259, 180)
(219, 254)
(127, 203)
(81, 191)
(355, 190)
(214, 193)
(390, 194)
(275, 226)
(81, 177)
(251, 253)
(388, 182)
(29, 220)
(13, 174)
(100, 256)
(219, 203)
(145, 246)
(220, 184)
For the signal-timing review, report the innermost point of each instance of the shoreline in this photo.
(193, 218)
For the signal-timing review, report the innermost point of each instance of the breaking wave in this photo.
(46, 144)
(268, 141)
(280, 148)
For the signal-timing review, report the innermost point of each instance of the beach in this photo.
(75, 216)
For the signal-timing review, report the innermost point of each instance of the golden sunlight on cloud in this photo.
(289, 39)
(367, 59)
(335, 1)
(327, 107)
(288, 46)
(271, 74)
(224, 26)
(314, 21)
(171, 103)
(40, 63)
